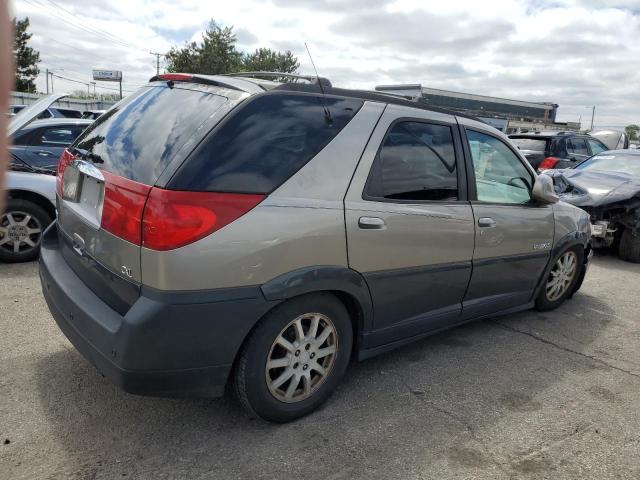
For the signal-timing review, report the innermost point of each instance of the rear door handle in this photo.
(44, 153)
(486, 222)
(371, 223)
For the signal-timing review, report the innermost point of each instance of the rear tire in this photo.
(629, 249)
(285, 348)
(22, 222)
(562, 279)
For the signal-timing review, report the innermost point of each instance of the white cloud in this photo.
(575, 53)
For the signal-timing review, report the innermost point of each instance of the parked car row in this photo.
(58, 112)
(30, 183)
(546, 150)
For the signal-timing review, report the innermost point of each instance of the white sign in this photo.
(107, 75)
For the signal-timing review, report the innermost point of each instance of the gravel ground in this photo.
(534, 395)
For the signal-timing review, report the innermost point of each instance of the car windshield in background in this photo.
(623, 163)
(140, 136)
(535, 144)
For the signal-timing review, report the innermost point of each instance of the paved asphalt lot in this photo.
(553, 395)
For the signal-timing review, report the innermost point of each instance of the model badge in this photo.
(542, 246)
(126, 271)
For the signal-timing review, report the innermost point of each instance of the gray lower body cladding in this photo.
(166, 344)
(184, 343)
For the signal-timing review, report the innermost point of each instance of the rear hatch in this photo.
(534, 149)
(111, 168)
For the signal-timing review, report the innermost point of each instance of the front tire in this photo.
(21, 227)
(295, 358)
(562, 279)
(629, 248)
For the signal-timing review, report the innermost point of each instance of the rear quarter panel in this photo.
(301, 224)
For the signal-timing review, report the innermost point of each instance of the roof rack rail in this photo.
(270, 75)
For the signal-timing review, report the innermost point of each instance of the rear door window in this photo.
(416, 162)
(264, 143)
(139, 137)
(59, 136)
(577, 146)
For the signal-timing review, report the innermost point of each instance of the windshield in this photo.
(623, 163)
(534, 144)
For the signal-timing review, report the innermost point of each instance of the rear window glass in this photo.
(264, 143)
(534, 144)
(138, 137)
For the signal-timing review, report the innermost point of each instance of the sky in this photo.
(576, 53)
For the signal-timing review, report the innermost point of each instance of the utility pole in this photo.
(593, 114)
(157, 55)
(47, 77)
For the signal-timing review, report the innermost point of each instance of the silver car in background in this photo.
(218, 230)
(30, 182)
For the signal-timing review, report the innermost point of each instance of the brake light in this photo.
(548, 163)
(65, 160)
(176, 77)
(173, 218)
(123, 207)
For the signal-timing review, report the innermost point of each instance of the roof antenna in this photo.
(327, 113)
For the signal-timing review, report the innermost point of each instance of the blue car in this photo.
(40, 143)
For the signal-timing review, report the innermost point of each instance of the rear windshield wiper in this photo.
(24, 167)
(86, 155)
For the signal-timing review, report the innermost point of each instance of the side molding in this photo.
(323, 278)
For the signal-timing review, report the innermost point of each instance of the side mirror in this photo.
(543, 191)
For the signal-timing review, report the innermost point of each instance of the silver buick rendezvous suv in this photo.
(218, 231)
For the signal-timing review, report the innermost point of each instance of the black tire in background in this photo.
(250, 378)
(18, 209)
(629, 248)
(543, 303)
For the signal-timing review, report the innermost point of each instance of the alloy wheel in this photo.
(301, 357)
(20, 232)
(561, 275)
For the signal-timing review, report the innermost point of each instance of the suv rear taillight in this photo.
(161, 219)
(548, 163)
(174, 218)
(123, 207)
(65, 159)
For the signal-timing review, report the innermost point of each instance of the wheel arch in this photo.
(347, 284)
(33, 197)
(573, 239)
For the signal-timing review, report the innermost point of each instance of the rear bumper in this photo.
(166, 344)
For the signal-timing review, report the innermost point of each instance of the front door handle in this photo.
(486, 222)
(371, 223)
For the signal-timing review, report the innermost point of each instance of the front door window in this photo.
(500, 175)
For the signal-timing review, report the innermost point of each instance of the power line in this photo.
(97, 29)
(85, 83)
(82, 27)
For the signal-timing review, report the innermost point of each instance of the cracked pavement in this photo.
(533, 395)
